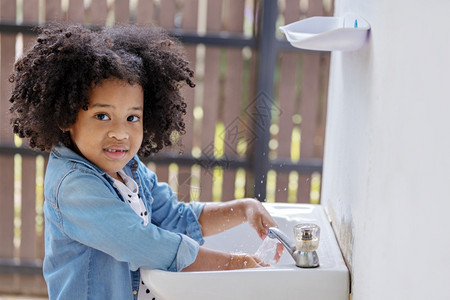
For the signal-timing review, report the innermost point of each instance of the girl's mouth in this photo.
(115, 153)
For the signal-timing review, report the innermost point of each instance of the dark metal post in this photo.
(267, 51)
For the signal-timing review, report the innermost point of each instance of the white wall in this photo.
(386, 179)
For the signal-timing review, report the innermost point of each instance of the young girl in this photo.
(96, 100)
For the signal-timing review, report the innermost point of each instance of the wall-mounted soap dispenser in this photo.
(345, 33)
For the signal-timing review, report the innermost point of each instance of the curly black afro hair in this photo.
(51, 82)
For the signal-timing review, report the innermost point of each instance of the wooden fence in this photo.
(221, 39)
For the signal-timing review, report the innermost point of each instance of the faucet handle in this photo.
(307, 237)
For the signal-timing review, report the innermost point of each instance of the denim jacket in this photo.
(95, 243)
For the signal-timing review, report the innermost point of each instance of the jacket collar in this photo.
(67, 153)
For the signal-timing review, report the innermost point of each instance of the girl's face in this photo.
(110, 132)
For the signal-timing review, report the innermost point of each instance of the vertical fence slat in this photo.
(122, 11)
(28, 215)
(31, 12)
(165, 18)
(28, 244)
(189, 22)
(309, 113)
(53, 10)
(145, 12)
(7, 44)
(309, 107)
(31, 243)
(41, 242)
(232, 95)
(76, 11)
(98, 12)
(287, 94)
(28, 237)
(253, 79)
(210, 97)
(167, 14)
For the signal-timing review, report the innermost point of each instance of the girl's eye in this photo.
(102, 117)
(133, 119)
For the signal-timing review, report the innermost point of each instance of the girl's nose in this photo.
(118, 133)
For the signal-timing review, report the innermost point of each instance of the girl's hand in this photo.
(213, 260)
(245, 261)
(257, 216)
(260, 220)
(218, 217)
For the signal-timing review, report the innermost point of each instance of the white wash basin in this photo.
(282, 281)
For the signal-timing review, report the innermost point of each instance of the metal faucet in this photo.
(304, 258)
